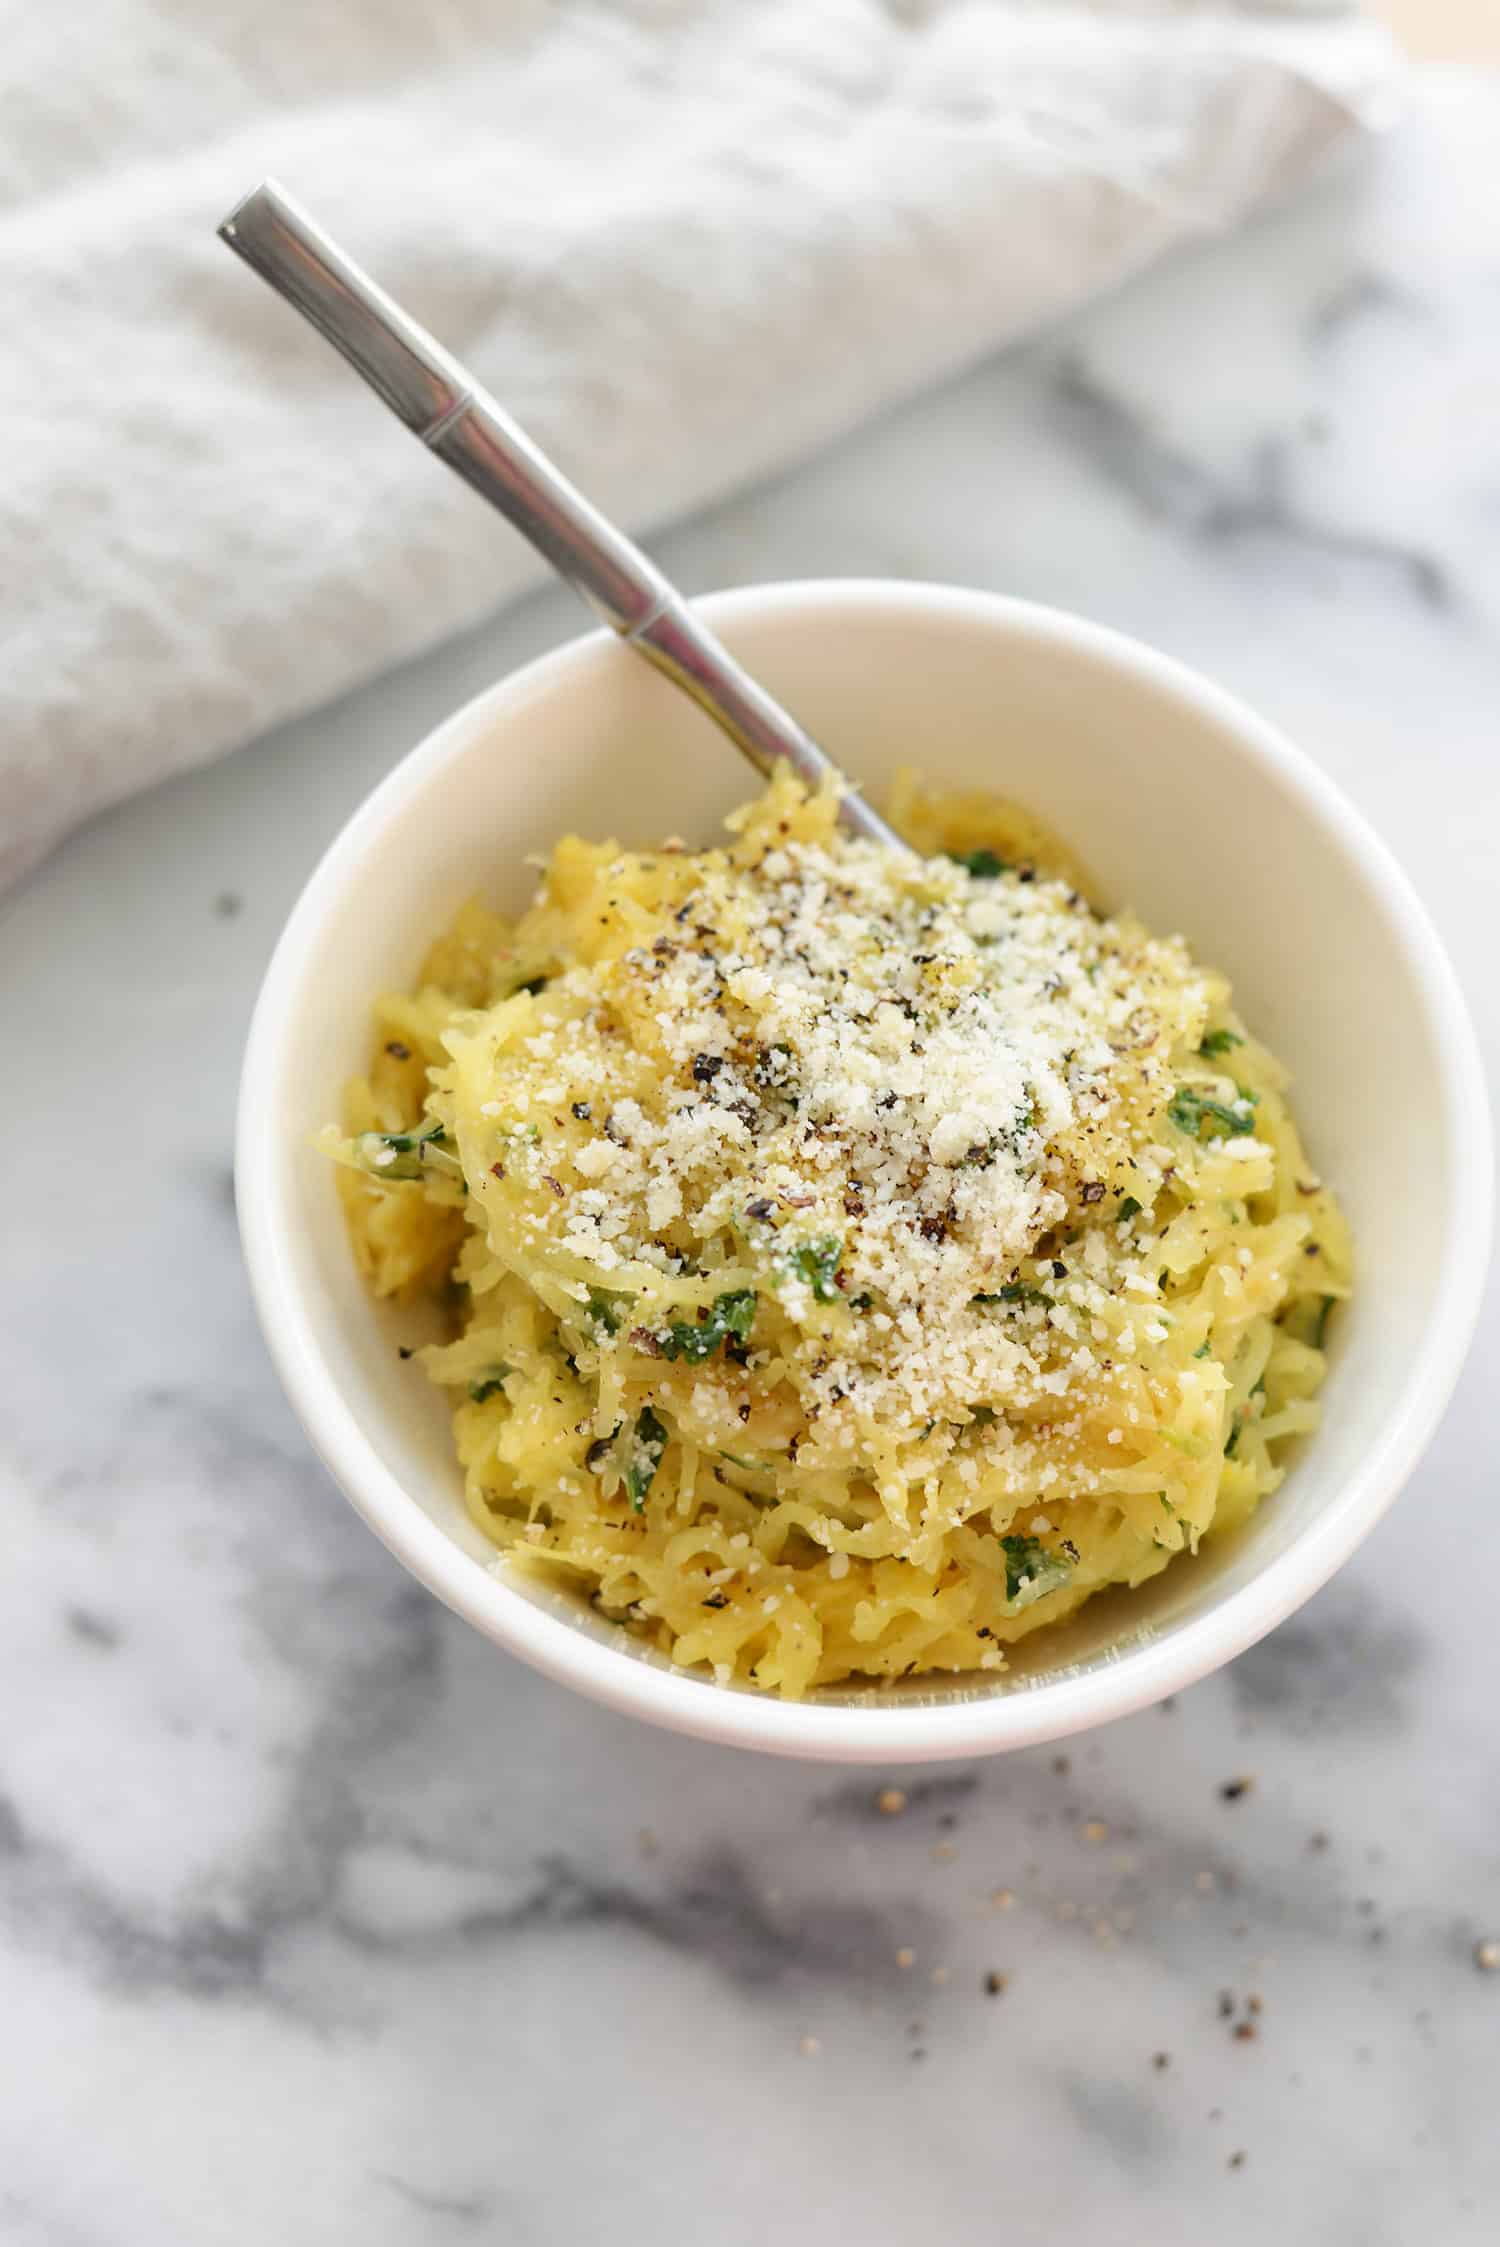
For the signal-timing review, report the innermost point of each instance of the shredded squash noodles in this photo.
(854, 1260)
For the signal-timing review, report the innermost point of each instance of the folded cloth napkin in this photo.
(683, 240)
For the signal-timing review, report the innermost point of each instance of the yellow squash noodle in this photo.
(853, 1261)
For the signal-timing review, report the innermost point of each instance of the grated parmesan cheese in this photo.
(862, 1257)
(885, 1064)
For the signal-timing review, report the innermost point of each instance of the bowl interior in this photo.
(1169, 794)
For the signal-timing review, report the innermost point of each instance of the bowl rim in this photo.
(884, 1732)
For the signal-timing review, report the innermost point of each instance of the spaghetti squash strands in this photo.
(855, 1259)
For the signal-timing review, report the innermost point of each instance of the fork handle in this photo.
(459, 422)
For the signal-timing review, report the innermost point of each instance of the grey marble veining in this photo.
(322, 1921)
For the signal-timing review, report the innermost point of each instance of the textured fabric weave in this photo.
(685, 241)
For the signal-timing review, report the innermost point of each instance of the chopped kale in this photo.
(1020, 1291)
(1241, 1417)
(605, 1311)
(406, 1142)
(816, 1261)
(488, 1385)
(1030, 1569)
(1218, 1042)
(1191, 1110)
(648, 1442)
(406, 1154)
(984, 865)
(732, 1316)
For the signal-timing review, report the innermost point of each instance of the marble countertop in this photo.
(324, 1921)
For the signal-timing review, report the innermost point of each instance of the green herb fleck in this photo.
(403, 1142)
(1219, 1041)
(1013, 1292)
(1191, 1110)
(606, 1311)
(1129, 1208)
(648, 1442)
(982, 864)
(1030, 1569)
(817, 1261)
(488, 1385)
(405, 1154)
(1205, 1350)
(732, 1316)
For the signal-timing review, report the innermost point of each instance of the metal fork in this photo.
(457, 419)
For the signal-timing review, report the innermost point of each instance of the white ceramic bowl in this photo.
(1186, 806)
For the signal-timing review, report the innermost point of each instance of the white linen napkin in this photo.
(685, 241)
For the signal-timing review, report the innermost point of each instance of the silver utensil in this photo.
(427, 388)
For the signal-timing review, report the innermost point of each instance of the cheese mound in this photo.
(859, 1257)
